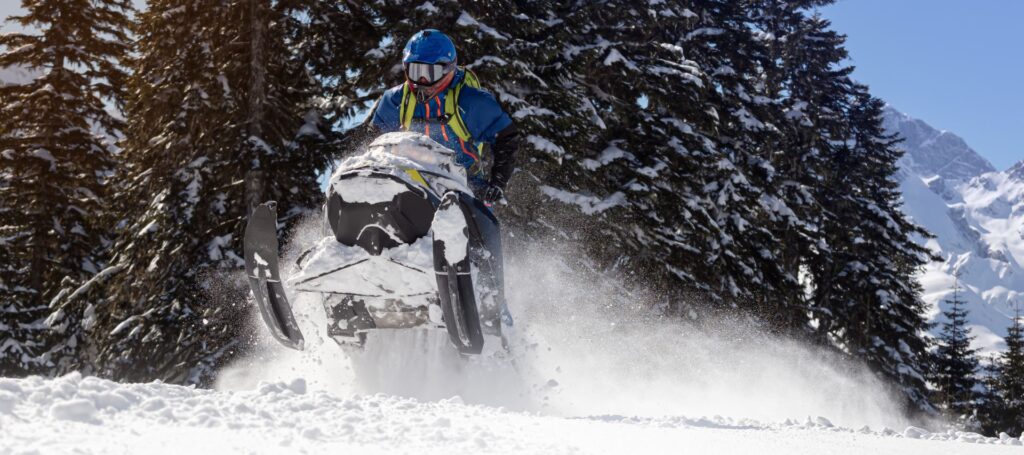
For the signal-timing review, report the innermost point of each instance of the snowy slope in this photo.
(93, 416)
(977, 216)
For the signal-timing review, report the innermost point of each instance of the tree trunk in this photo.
(254, 180)
(257, 68)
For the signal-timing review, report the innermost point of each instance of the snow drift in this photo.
(80, 415)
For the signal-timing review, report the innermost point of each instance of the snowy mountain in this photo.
(1017, 171)
(977, 216)
(931, 152)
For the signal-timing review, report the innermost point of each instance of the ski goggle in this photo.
(432, 73)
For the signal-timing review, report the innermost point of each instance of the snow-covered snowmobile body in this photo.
(405, 245)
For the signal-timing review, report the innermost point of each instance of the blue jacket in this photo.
(481, 113)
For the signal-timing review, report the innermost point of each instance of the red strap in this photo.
(426, 125)
(466, 151)
(444, 131)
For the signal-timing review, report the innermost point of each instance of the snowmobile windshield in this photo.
(426, 73)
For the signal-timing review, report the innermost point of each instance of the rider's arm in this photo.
(489, 123)
(506, 145)
(386, 110)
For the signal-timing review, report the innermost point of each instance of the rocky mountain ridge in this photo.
(977, 216)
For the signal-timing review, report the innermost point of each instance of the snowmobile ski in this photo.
(261, 266)
(456, 293)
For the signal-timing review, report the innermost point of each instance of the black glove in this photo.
(506, 146)
(492, 194)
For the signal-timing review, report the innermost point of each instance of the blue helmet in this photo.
(430, 46)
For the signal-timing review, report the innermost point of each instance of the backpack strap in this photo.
(469, 78)
(451, 112)
(454, 114)
(408, 106)
(451, 109)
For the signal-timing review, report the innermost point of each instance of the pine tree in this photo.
(841, 226)
(805, 77)
(818, 89)
(221, 117)
(1007, 383)
(750, 130)
(864, 288)
(645, 174)
(54, 166)
(955, 364)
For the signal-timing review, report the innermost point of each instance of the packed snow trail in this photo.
(72, 414)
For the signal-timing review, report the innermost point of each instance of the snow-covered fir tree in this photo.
(221, 117)
(1005, 399)
(816, 89)
(955, 365)
(644, 174)
(804, 78)
(55, 164)
(748, 136)
(864, 287)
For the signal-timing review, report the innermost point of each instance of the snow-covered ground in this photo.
(586, 377)
(92, 416)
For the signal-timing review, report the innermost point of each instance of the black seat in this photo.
(407, 216)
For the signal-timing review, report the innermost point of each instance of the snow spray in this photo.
(578, 352)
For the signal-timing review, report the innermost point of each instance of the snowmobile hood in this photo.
(410, 157)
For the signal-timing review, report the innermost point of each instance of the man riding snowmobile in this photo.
(446, 103)
(410, 239)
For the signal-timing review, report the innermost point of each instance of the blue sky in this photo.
(956, 64)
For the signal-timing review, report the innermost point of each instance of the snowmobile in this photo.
(405, 245)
